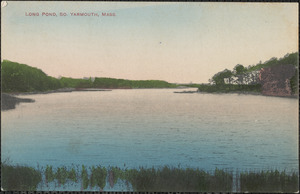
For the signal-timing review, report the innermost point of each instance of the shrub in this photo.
(19, 178)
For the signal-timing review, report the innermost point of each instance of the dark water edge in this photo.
(244, 93)
(9, 102)
(164, 179)
(61, 90)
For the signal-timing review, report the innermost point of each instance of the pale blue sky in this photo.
(176, 42)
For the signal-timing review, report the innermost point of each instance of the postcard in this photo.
(149, 96)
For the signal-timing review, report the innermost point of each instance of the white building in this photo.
(245, 79)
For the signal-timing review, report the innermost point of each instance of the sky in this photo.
(180, 42)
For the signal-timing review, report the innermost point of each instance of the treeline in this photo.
(288, 59)
(122, 83)
(239, 69)
(217, 82)
(17, 77)
(23, 78)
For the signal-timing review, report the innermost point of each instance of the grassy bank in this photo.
(143, 179)
(148, 179)
(269, 181)
(174, 179)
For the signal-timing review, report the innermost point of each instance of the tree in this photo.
(218, 78)
(239, 69)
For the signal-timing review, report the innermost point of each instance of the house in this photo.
(248, 78)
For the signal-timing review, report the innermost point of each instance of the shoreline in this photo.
(61, 90)
(250, 93)
(64, 90)
(9, 102)
(236, 92)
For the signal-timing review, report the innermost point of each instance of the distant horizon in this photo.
(87, 77)
(173, 41)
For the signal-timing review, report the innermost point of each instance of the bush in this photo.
(19, 178)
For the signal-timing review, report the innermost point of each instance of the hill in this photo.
(18, 77)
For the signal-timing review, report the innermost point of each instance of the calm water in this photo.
(153, 127)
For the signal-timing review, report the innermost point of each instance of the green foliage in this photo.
(84, 177)
(177, 179)
(226, 88)
(220, 86)
(191, 85)
(294, 81)
(153, 179)
(130, 175)
(61, 175)
(23, 78)
(72, 175)
(126, 84)
(116, 174)
(218, 78)
(75, 83)
(98, 176)
(49, 174)
(269, 181)
(222, 180)
(239, 69)
(292, 59)
(19, 178)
